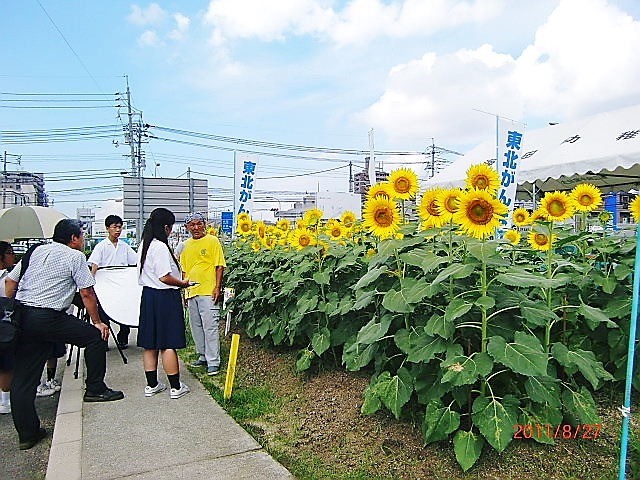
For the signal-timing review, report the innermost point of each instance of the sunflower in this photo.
(244, 227)
(381, 189)
(634, 208)
(269, 242)
(557, 206)
(482, 177)
(429, 210)
(335, 230)
(538, 214)
(513, 236)
(521, 217)
(479, 213)
(283, 224)
(348, 219)
(301, 238)
(381, 217)
(243, 217)
(256, 245)
(260, 229)
(587, 197)
(540, 241)
(447, 202)
(313, 216)
(404, 182)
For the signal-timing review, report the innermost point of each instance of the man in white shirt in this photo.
(113, 252)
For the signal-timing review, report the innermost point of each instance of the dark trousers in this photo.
(41, 327)
(123, 334)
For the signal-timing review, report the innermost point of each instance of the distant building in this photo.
(308, 202)
(23, 188)
(361, 180)
(86, 216)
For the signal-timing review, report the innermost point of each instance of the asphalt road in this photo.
(28, 464)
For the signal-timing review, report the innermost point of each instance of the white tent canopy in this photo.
(603, 150)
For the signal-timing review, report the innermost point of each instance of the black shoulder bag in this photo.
(10, 310)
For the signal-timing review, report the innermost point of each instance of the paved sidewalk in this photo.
(151, 438)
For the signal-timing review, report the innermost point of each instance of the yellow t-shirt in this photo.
(199, 260)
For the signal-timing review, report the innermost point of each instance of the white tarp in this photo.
(603, 149)
(119, 294)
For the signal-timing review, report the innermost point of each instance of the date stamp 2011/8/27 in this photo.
(563, 431)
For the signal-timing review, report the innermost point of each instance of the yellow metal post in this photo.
(231, 369)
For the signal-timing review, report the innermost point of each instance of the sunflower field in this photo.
(462, 332)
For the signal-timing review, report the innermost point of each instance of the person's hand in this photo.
(216, 295)
(104, 330)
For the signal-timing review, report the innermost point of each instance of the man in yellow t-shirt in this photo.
(203, 263)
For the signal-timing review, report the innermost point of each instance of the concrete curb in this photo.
(65, 456)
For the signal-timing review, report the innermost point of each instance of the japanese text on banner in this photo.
(245, 182)
(509, 148)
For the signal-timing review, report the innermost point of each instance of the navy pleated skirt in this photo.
(161, 319)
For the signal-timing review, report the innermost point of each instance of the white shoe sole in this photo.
(175, 396)
(155, 392)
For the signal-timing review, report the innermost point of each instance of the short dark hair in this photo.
(5, 247)
(111, 220)
(66, 229)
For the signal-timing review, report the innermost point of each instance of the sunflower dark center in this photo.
(433, 209)
(541, 239)
(481, 182)
(336, 232)
(557, 208)
(402, 185)
(480, 211)
(383, 217)
(585, 200)
(304, 240)
(451, 204)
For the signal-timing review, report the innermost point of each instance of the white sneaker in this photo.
(151, 391)
(54, 384)
(44, 390)
(179, 392)
(5, 408)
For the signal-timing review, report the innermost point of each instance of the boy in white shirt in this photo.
(113, 252)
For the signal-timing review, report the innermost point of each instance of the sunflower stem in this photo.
(549, 323)
(483, 310)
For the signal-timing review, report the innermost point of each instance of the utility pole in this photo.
(131, 140)
(5, 176)
(191, 193)
(350, 177)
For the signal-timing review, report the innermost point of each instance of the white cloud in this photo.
(152, 15)
(182, 26)
(149, 38)
(358, 22)
(576, 65)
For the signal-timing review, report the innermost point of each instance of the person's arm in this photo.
(94, 269)
(216, 291)
(10, 287)
(90, 302)
(172, 281)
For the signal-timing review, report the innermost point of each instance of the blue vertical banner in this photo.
(245, 168)
(611, 205)
(510, 144)
(227, 222)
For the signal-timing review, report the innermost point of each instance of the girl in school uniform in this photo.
(162, 328)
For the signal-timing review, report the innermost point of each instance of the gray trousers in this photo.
(204, 317)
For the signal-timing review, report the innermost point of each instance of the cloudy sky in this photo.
(306, 72)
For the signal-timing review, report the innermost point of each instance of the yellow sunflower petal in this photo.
(557, 206)
(429, 210)
(313, 216)
(513, 236)
(301, 238)
(482, 177)
(448, 202)
(587, 197)
(634, 208)
(381, 217)
(479, 213)
(521, 217)
(404, 183)
(381, 189)
(348, 219)
(540, 241)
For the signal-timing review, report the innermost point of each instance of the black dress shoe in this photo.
(107, 396)
(27, 444)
